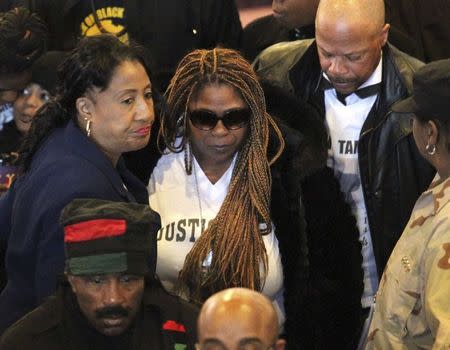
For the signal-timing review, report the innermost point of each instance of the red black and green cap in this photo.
(104, 237)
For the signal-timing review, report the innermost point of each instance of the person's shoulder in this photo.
(268, 26)
(286, 53)
(405, 64)
(176, 314)
(260, 22)
(59, 158)
(169, 172)
(412, 62)
(24, 332)
(168, 302)
(276, 62)
(63, 169)
(262, 33)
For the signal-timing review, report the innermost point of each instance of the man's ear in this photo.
(280, 344)
(72, 284)
(385, 34)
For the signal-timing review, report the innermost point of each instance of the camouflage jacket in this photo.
(413, 302)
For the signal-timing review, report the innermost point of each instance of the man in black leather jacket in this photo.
(349, 51)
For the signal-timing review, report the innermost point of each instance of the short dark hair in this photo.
(23, 38)
(91, 64)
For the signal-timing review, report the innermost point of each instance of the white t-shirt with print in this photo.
(173, 194)
(344, 123)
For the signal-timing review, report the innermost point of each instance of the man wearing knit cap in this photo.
(110, 298)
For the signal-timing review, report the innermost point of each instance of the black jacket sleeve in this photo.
(336, 276)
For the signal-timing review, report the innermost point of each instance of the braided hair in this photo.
(23, 37)
(90, 65)
(235, 235)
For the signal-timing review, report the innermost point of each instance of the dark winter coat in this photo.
(173, 321)
(10, 138)
(323, 311)
(67, 165)
(393, 174)
(322, 261)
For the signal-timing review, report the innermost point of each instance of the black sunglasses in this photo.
(232, 120)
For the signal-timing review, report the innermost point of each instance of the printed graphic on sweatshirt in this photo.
(107, 19)
(183, 230)
(343, 158)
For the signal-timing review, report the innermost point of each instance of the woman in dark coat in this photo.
(104, 108)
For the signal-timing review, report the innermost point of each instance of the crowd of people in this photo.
(169, 180)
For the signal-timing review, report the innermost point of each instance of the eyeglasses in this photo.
(232, 120)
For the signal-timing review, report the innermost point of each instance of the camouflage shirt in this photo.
(413, 301)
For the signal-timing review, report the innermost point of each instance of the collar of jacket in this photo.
(169, 309)
(396, 81)
(82, 146)
(154, 297)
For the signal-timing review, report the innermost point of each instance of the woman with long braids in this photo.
(104, 107)
(235, 187)
(225, 164)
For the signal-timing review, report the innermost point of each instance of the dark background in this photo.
(252, 3)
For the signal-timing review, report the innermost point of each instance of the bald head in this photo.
(362, 14)
(350, 35)
(236, 316)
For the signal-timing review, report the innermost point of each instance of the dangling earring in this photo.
(182, 122)
(431, 149)
(88, 127)
(188, 158)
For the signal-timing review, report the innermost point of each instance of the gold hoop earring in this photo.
(88, 127)
(431, 149)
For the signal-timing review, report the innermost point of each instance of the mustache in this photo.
(340, 80)
(111, 311)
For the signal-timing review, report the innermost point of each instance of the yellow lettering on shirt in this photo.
(89, 20)
(84, 28)
(105, 16)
